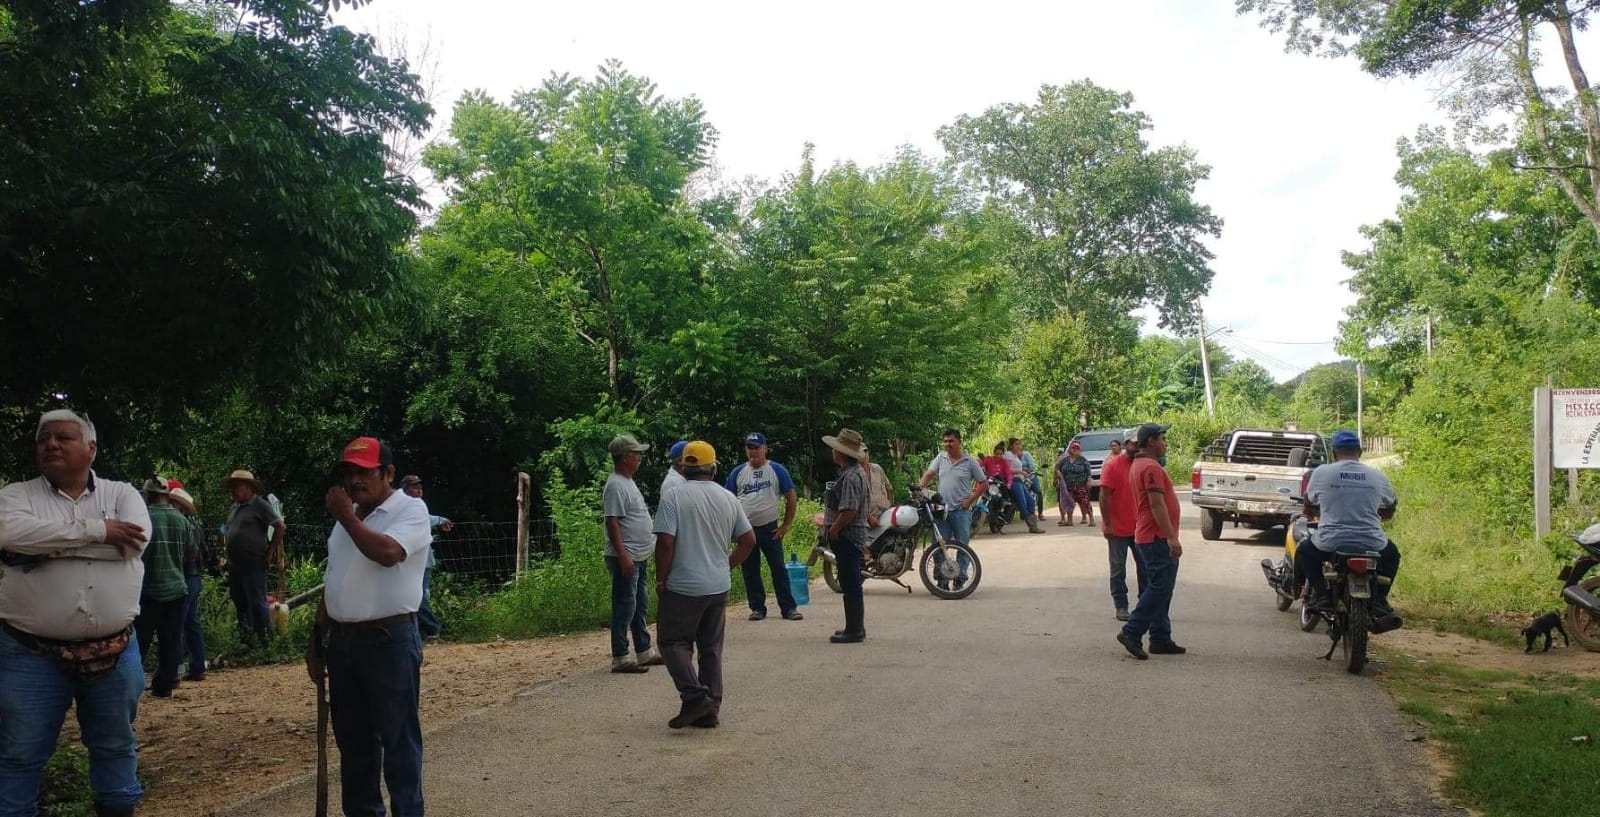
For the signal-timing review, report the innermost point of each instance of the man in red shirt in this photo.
(1156, 538)
(1118, 515)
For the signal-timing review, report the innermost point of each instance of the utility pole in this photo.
(1427, 334)
(1205, 365)
(1361, 382)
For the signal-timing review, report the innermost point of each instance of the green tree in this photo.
(1095, 219)
(201, 183)
(1070, 374)
(1328, 394)
(1248, 381)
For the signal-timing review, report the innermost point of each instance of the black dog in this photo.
(1542, 626)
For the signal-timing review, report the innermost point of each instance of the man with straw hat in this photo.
(254, 539)
(845, 522)
(194, 637)
(160, 620)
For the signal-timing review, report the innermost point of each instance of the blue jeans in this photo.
(194, 638)
(247, 585)
(34, 698)
(1120, 548)
(770, 548)
(956, 527)
(1022, 496)
(374, 690)
(428, 623)
(1151, 614)
(630, 607)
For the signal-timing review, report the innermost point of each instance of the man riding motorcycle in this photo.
(1351, 501)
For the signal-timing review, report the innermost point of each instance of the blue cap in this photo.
(755, 438)
(1346, 440)
(676, 452)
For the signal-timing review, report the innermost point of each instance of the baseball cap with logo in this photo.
(755, 438)
(699, 453)
(1346, 440)
(367, 452)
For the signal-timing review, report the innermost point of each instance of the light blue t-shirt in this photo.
(622, 499)
(759, 490)
(1348, 495)
(705, 519)
(956, 479)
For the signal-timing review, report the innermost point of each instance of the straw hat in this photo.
(181, 498)
(241, 476)
(847, 443)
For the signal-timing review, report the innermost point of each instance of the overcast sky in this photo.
(1302, 149)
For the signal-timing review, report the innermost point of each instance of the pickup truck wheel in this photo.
(1298, 457)
(1211, 526)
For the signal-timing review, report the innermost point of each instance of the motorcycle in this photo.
(1351, 573)
(1583, 608)
(1287, 584)
(893, 545)
(995, 506)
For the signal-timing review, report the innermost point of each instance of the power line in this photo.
(1291, 342)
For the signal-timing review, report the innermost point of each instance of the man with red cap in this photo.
(373, 659)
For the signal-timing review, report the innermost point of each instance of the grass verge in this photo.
(1519, 745)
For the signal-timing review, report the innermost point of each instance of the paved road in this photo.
(1015, 701)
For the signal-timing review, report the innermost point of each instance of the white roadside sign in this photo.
(1575, 428)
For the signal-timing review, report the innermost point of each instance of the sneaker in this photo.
(757, 616)
(793, 615)
(1122, 614)
(1132, 647)
(651, 658)
(1166, 648)
(691, 713)
(626, 665)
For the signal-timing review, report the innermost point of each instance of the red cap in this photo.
(366, 452)
(174, 484)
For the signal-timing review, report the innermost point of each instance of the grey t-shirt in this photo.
(623, 500)
(705, 519)
(956, 479)
(1348, 495)
(249, 529)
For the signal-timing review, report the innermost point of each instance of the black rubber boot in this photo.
(854, 630)
(101, 810)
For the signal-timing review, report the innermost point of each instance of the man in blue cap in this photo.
(674, 476)
(762, 486)
(1350, 502)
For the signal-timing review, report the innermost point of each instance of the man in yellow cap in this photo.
(694, 525)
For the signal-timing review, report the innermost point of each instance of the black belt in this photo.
(374, 624)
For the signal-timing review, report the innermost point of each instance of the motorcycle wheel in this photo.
(1582, 625)
(1286, 596)
(830, 576)
(929, 571)
(1358, 625)
(1284, 602)
(1309, 619)
(997, 522)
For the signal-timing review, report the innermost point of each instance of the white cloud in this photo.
(1301, 149)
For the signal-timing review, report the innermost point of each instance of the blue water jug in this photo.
(799, 579)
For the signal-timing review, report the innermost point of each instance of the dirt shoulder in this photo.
(1472, 653)
(241, 732)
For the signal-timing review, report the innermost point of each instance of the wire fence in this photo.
(482, 552)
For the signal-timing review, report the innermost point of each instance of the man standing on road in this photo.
(694, 525)
(377, 553)
(70, 576)
(194, 637)
(1156, 538)
(961, 485)
(427, 623)
(1119, 515)
(674, 476)
(845, 521)
(255, 540)
(760, 483)
(630, 542)
(1350, 501)
(161, 601)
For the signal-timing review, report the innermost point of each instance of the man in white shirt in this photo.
(630, 543)
(70, 576)
(674, 476)
(763, 486)
(377, 553)
(694, 525)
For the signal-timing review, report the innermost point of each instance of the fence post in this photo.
(524, 487)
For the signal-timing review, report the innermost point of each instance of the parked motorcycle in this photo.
(995, 507)
(894, 543)
(1351, 575)
(1583, 608)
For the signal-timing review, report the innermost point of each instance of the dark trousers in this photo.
(1151, 614)
(771, 548)
(685, 624)
(247, 586)
(630, 607)
(427, 622)
(847, 558)
(1309, 559)
(374, 691)
(160, 628)
(194, 638)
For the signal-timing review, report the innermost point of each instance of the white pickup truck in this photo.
(1252, 477)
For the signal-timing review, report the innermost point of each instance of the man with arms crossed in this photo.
(1156, 537)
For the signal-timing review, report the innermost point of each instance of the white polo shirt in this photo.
(359, 589)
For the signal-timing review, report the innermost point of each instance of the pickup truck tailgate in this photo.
(1263, 482)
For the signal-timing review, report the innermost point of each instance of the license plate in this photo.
(1360, 587)
(1254, 507)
